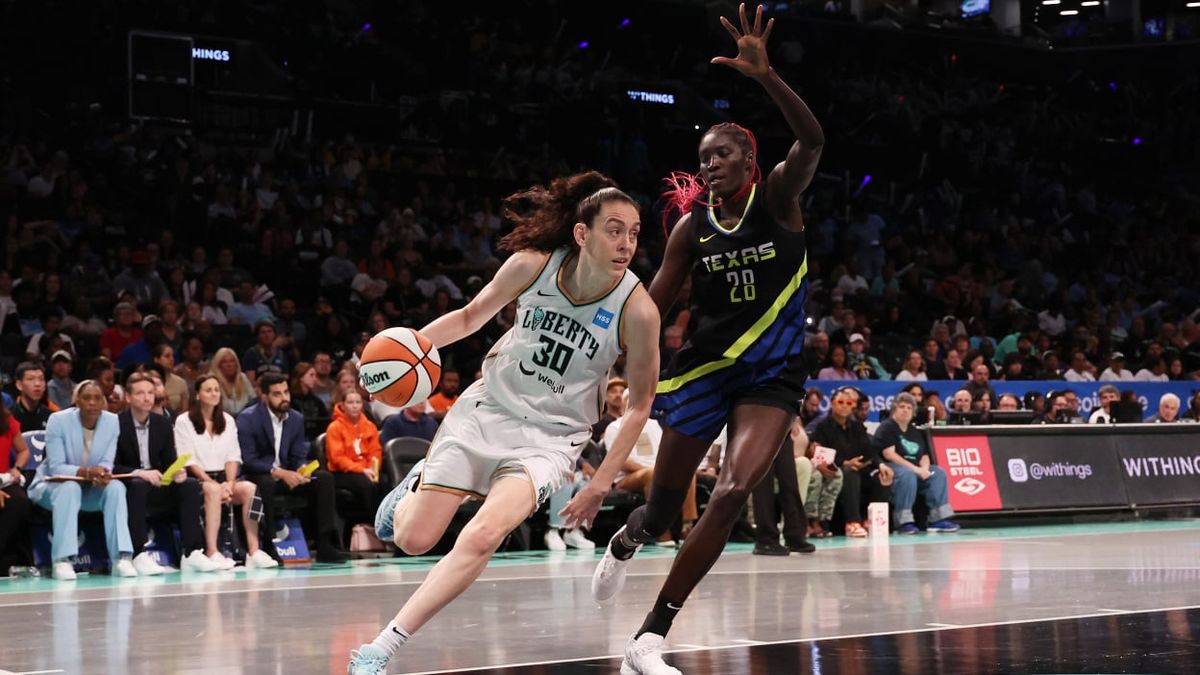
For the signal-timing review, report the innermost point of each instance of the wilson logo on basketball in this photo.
(370, 380)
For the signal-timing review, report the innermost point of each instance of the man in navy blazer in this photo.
(146, 449)
(273, 450)
(81, 443)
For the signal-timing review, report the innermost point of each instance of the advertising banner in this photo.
(970, 472)
(881, 393)
(1038, 472)
(1160, 468)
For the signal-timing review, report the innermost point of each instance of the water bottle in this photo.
(932, 416)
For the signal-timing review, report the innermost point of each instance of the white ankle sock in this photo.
(391, 638)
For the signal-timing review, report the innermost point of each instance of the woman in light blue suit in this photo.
(81, 443)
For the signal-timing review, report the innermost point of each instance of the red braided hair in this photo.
(684, 189)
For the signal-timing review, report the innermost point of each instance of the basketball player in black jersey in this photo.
(742, 240)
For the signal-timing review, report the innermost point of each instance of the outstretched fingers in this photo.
(745, 21)
(758, 21)
(729, 27)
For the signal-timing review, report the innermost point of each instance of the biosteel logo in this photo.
(968, 464)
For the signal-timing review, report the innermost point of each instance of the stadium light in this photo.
(1051, 2)
(1069, 12)
(1090, 3)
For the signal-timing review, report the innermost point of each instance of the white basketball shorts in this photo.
(480, 442)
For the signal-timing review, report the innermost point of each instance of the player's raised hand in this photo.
(751, 59)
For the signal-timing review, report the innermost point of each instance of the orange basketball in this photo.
(400, 367)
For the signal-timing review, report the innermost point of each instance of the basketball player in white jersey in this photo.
(512, 438)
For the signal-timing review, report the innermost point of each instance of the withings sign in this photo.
(650, 97)
(204, 54)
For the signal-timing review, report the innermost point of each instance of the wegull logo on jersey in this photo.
(603, 318)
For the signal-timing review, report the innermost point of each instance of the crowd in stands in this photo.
(238, 283)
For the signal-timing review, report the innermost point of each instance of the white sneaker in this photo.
(609, 577)
(196, 561)
(146, 565)
(554, 540)
(260, 560)
(64, 571)
(643, 656)
(576, 539)
(221, 562)
(125, 568)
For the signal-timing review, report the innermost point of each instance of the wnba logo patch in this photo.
(603, 318)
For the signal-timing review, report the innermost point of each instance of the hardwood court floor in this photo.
(1117, 597)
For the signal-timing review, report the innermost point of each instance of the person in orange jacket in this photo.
(353, 453)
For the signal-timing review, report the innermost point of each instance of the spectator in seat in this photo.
(914, 368)
(353, 453)
(411, 422)
(191, 364)
(122, 333)
(614, 406)
(1168, 410)
(32, 408)
(140, 280)
(1116, 371)
(304, 401)
(1103, 414)
(273, 450)
(950, 367)
(268, 350)
(1193, 411)
(176, 388)
(816, 353)
(61, 387)
(104, 373)
(979, 384)
(638, 473)
(1057, 406)
(1009, 402)
(237, 393)
(446, 395)
(835, 368)
(810, 409)
(247, 311)
(865, 366)
(856, 457)
(142, 350)
(325, 382)
(81, 443)
(14, 502)
(963, 401)
(146, 449)
(906, 451)
(210, 435)
(1081, 369)
(1153, 370)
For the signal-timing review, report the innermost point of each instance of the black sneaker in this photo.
(801, 547)
(769, 548)
(330, 554)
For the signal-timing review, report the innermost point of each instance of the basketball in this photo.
(400, 367)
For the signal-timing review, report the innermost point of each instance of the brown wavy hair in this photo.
(196, 415)
(545, 216)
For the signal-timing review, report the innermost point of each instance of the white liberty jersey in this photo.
(551, 367)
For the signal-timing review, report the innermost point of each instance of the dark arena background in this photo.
(1004, 223)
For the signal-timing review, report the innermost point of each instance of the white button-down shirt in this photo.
(277, 425)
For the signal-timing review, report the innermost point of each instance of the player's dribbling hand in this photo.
(582, 509)
(751, 59)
